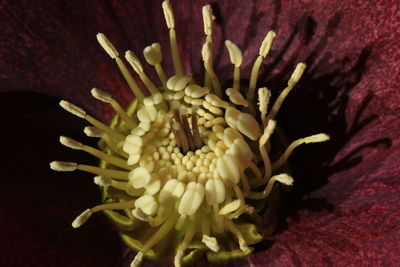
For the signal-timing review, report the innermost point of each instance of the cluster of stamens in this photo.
(187, 159)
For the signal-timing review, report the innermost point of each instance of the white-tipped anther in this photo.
(234, 53)
(228, 169)
(236, 97)
(191, 199)
(82, 218)
(71, 143)
(284, 179)
(178, 82)
(74, 109)
(210, 242)
(168, 14)
(230, 207)
(92, 131)
(267, 43)
(215, 191)
(102, 180)
(153, 54)
(107, 45)
(207, 19)
(134, 61)
(139, 177)
(297, 73)
(101, 95)
(316, 138)
(63, 166)
(147, 204)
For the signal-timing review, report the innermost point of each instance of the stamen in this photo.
(307, 140)
(263, 100)
(103, 96)
(264, 154)
(292, 82)
(264, 49)
(185, 243)
(95, 152)
(82, 218)
(153, 56)
(186, 128)
(77, 111)
(110, 49)
(102, 180)
(120, 175)
(208, 22)
(63, 166)
(169, 19)
(138, 68)
(236, 97)
(236, 58)
(92, 131)
(107, 46)
(282, 178)
(207, 58)
(210, 242)
(242, 243)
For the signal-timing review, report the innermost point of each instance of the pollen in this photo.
(188, 163)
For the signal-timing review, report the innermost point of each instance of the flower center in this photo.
(189, 158)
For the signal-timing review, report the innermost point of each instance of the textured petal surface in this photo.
(345, 208)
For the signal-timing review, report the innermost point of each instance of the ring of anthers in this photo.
(184, 164)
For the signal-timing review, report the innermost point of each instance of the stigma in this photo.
(190, 158)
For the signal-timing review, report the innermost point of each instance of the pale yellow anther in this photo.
(230, 207)
(241, 151)
(210, 242)
(82, 218)
(178, 95)
(172, 190)
(63, 166)
(107, 45)
(191, 199)
(215, 191)
(140, 215)
(264, 96)
(147, 204)
(139, 177)
(74, 109)
(298, 72)
(133, 159)
(207, 19)
(102, 180)
(248, 125)
(267, 43)
(71, 143)
(147, 114)
(134, 61)
(178, 82)
(101, 95)
(195, 91)
(92, 131)
(153, 54)
(316, 138)
(227, 167)
(216, 101)
(168, 14)
(236, 97)
(234, 53)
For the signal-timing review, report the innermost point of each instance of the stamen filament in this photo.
(234, 230)
(185, 243)
(264, 50)
(311, 139)
(169, 18)
(129, 79)
(207, 55)
(120, 175)
(282, 178)
(114, 206)
(103, 96)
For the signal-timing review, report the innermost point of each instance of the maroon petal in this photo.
(344, 210)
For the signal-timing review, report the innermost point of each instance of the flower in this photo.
(344, 197)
